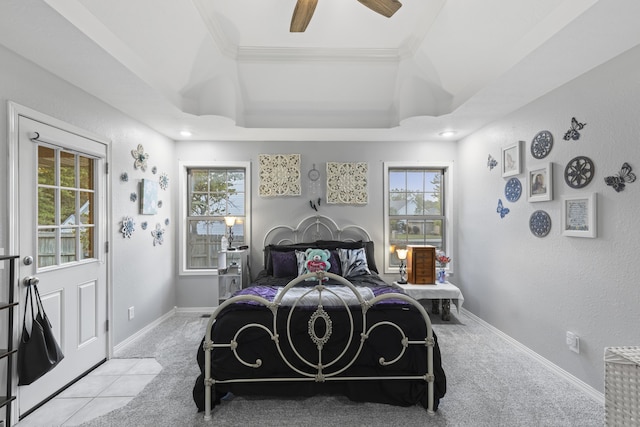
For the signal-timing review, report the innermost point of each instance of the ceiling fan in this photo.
(304, 11)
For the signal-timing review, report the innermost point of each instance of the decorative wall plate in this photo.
(541, 144)
(163, 180)
(140, 158)
(540, 223)
(513, 190)
(128, 227)
(579, 172)
(158, 235)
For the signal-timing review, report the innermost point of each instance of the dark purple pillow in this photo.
(336, 265)
(284, 264)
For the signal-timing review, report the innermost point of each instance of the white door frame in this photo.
(14, 112)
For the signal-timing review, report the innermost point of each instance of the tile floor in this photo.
(110, 386)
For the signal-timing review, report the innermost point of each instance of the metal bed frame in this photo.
(312, 228)
(320, 370)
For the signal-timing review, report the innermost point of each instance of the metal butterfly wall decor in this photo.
(501, 209)
(491, 162)
(624, 176)
(574, 133)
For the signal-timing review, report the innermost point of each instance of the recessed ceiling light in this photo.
(185, 133)
(447, 133)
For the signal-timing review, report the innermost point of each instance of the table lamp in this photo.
(402, 256)
(230, 221)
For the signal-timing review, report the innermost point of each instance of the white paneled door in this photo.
(62, 214)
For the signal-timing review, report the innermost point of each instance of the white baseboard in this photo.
(195, 310)
(144, 330)
(578, 383)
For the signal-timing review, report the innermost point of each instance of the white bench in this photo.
(444, 292)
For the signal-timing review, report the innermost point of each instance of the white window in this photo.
(417, 208)
(214, 204)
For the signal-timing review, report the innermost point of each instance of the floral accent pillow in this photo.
(354, 262)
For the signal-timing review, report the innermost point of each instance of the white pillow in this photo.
(354, 262)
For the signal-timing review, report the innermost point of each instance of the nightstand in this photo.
(232, 272)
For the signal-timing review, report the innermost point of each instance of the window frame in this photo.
(184, 167)
(448, 191)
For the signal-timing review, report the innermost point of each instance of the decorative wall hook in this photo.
(313, 204)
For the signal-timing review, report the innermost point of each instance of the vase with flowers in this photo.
(442, 260)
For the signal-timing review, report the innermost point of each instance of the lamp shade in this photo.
(230, 220)
(402, 253)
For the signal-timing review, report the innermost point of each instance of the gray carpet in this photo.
(490, 383)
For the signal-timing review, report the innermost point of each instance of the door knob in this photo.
(28, 260)
(30, 281)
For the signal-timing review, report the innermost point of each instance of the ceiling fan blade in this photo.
(302, 15)
(383, 7)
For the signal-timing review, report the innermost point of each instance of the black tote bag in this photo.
(38, 352)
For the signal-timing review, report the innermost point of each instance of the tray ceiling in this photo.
(232, 70)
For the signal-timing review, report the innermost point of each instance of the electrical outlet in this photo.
(573, 341)
(132, 313)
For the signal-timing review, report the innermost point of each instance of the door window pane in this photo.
(47, 247)
(86, 242)
(46, 206)
(67, 169)
(68, 245)
(86, 172)
(68, 207)
(86, 207)
(66, 196)
(46, 166)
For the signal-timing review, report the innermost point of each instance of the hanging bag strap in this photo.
(38, 300)
(28, 300)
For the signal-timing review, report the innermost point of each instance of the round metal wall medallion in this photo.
(513, 190)
(540, 223)
(541, 144)
(579, 172)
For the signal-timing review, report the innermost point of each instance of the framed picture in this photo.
(511, 156)
(148, 197)
(579, 218)
(540, 183)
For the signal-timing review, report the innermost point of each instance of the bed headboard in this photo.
(312, 228)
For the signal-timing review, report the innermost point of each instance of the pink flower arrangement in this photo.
(443, 260)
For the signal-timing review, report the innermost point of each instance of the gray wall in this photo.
(535, 289)
(143, 275)
(269, 212)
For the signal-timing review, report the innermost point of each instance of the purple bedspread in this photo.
(267, 287)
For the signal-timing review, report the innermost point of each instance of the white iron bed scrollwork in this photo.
(319, 330)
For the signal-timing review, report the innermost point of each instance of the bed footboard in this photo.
(320, 330)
